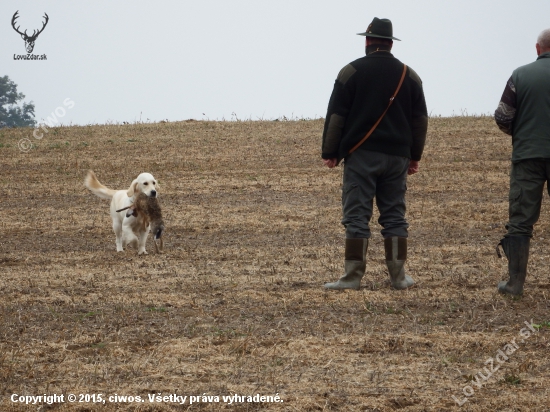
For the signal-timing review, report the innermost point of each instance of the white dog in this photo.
(127, 229)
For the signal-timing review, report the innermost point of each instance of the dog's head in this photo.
(144, 183)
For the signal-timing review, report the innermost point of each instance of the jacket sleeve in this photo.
(338, 109)
(507, 107)
(419, 121)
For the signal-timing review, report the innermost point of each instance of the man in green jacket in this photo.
(378, 168)
(524, 113)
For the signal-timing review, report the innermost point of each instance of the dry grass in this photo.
(236, 304)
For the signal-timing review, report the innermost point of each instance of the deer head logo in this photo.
(29, 40)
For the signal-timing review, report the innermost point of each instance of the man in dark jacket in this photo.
(524, 113)
(377, 168)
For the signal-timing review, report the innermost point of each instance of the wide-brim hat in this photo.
(381, 28)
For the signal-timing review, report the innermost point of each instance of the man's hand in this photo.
(413, 167)
(331, 163)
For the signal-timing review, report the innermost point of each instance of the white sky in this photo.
(166, 59)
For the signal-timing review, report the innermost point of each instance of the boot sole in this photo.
(340, 287)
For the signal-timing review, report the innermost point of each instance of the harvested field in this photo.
(235, 305)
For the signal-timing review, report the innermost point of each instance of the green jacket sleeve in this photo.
(338, 109)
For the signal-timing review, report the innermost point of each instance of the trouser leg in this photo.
(390, 197)
(527, 180)
(390, 200)
(361, 171)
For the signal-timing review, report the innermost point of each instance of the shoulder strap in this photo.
(383, 114)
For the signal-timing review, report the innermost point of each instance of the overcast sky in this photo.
(128, 60)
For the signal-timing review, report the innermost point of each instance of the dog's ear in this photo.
(133, 188)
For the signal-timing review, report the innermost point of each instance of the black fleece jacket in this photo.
(361, 94)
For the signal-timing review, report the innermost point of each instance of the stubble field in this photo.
(235, 305)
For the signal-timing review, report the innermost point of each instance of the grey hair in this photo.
(544, 39)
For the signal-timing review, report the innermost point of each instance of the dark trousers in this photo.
(372, 175)
(527, 179)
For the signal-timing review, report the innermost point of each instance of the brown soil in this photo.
(235, 305)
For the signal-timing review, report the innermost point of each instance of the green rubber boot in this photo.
(354, 265)
(516, 249)
(396, 255)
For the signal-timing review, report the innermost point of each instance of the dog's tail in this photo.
(96, 187)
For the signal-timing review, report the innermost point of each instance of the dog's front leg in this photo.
(142, 240)
(117, 227)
